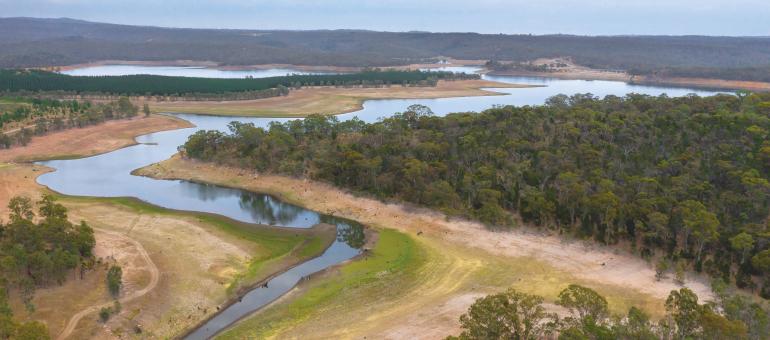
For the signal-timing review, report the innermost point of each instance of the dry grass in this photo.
(327, 100)
(462, 260)
(202, 259)
(91, 140)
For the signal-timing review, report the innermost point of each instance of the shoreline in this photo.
(93, 137)
(578, 74)
(331, 100)
(625, 279)
(697, 83)
(217, 66)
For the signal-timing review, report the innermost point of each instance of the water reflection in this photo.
(274, 212)
(348, 231)
(108, 175)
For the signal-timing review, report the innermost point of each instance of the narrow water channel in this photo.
(109, 175)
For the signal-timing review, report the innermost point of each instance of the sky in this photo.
(582, 17)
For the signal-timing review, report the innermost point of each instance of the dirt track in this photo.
(150, 267)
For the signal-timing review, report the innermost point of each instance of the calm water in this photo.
(108, 175)
(181, 71)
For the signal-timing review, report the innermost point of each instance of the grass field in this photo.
(327, 100)
(428, 269)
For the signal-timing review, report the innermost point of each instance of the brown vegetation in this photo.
(328, 100)
(462, 258)
(90, 140)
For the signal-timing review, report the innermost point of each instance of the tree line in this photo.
(38, 250)
(35, 81)
(681, 181)
(515, 315)
(34, 117)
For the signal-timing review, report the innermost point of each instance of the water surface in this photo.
(109, 175)
(181, 71)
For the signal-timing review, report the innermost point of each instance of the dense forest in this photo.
(31, 42)
(515, 315)
(33, 81)
(37, 251)
(681, 181)
(22, 118)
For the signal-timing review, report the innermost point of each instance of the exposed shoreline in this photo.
(90, 140)
(590, 264)
(581, 74)
(698, 83)
(330, 100)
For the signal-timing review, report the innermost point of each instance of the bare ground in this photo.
(91, 140)
(574, 71)
(460, 260)
(327, 100)
(197, 263)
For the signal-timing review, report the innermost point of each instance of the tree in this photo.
(742, 243)
(507, 315)
(761, 261)
(586, 305)
(635, 326)
(114, 280)
(683, 307)
(21, 208)
(146, 109)
(126, 108)
(699, 222)
(718, 327)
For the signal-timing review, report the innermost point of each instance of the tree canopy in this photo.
(684, 179)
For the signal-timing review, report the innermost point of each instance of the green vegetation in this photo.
(395, 254)
(514, 315)
(33, 81)
(51, 42)
(683, 179)
(274, 244)
(34, 116)
(106, 312)
(35, 254)
(114, 280)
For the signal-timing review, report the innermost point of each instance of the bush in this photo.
(105, 313)
(114, 280)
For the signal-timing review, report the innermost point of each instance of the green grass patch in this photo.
(390, 266)
(272, 244)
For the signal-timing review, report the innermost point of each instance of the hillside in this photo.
(28, 42)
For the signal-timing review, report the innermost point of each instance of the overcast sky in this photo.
(586, 17)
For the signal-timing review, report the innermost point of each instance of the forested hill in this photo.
(680, 179)
(27, 42)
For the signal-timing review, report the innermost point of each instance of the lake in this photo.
(109, 175)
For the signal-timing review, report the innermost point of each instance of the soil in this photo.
(90, 140)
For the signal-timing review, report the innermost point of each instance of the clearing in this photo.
(426, 269)
(328, 100)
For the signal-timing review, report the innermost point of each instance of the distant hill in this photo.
(31, 42)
